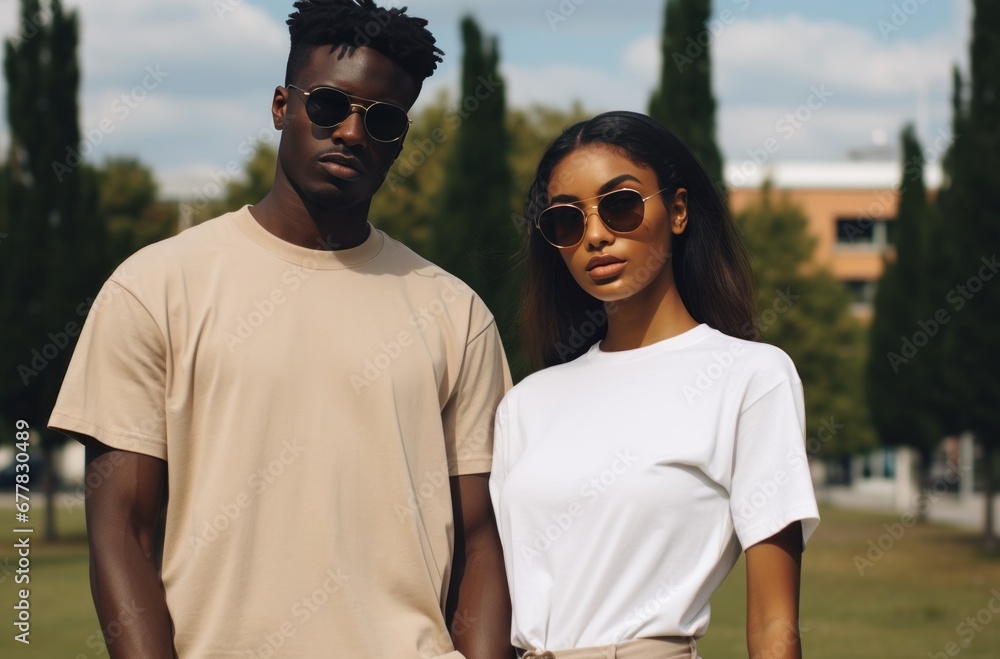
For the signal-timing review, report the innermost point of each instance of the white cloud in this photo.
(222, 70)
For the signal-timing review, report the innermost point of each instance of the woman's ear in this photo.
(679, 211)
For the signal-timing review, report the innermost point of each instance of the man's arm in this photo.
(773, 574)
(478, 597)
(122, 510)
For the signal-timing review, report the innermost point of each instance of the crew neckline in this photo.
(682, 340)
(317, 259)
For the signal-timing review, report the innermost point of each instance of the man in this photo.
(316, 399)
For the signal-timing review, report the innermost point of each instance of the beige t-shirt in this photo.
(311, 406)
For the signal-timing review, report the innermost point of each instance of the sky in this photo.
(186, 85)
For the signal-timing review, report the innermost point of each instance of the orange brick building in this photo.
(851, 207)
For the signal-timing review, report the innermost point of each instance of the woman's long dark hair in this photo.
(711, 265)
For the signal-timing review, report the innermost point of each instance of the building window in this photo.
(862, 291)
(862, 233)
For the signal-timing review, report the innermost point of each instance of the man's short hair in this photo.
(356, 23)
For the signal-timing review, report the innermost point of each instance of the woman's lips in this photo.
(603, 267)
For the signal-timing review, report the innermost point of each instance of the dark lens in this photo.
(386, 122)
(561, 225)
(327, 107)
(621, 210)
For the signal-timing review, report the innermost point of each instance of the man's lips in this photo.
(603, 267)
(342, 160)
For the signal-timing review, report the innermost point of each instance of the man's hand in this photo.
(479, 602)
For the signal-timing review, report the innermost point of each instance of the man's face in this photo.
(339, 167)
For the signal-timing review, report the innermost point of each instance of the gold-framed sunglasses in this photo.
(328, 107)
(621, 211)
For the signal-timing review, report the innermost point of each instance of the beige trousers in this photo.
(672, 647)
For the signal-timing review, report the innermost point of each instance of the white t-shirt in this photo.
(626, 483)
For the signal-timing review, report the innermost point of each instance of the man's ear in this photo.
(679, 211)
(279, 103)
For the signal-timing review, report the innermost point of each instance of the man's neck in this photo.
(289, 217)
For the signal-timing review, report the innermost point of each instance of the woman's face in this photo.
(617, 266)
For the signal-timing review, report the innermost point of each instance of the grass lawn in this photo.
(909, 603)
(63, 622)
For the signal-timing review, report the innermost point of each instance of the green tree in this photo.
(56, 249)
(130, 208)
(472, 235)
(408, 200)
(807, 313)
(972, 203)
(901, 383)
(683, 101)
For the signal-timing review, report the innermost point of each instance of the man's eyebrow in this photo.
(607, 187)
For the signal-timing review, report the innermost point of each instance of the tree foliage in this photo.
(55, 255)
(807, 313)
(972, 204)
(472, 235)
(684, 101)
(900, 376)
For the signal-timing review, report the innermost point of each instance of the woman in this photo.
(662, 439)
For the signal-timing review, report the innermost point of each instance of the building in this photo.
(851, 207)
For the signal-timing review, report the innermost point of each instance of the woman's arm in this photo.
(773, 571)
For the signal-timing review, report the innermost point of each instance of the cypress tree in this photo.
(683, 101)
(973, 207)
(56, 236)
(472, 234)
(900, 376)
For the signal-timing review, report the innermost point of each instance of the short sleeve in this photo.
(115, 387)
(469, 414)
(501, 442)
(771, 485)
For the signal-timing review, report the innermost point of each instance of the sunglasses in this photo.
(622, 211)
(328, 107)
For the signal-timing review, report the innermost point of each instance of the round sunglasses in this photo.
(622, 211)
(328, 107)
